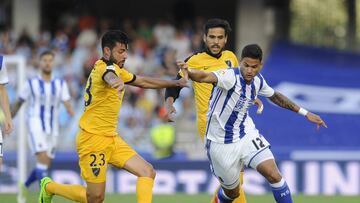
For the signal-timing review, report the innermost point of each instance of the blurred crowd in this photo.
(153, 51)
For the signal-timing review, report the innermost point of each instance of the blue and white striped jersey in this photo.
(44, 100)
(3, 74)
(228, 118)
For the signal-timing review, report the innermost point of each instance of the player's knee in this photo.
(148, 171)
(273, 176)
(95, 196)
(43, 158)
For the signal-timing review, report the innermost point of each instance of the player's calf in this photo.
(95, 192)
(227, 196)
(278, 185)
(232, 193)
(95, 197)
(269, 170)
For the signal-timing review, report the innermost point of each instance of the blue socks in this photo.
(222, 196)
(31, 178)
(281, 192)
(37, 173)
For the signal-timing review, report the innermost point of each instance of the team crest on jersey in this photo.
(222, 72)
(96, 171)
(228, 62)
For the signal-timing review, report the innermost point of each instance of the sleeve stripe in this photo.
(132, 80)
(261, 81)
(107, 71)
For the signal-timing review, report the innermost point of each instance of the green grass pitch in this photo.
(198, 198)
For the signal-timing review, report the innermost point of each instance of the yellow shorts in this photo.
(96, 152)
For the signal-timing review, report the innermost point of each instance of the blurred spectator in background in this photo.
(163, 136)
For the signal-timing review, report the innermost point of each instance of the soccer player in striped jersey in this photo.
(44, 94)
(231, 136)
(214, 57)
(4, 107)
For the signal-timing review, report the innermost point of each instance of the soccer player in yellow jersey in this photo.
(214, 57)
(98, 143)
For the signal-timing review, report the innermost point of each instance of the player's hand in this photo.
(170, 112)
(182, 82)
(260, 106)
(184, 69)
(316, 119)
(8, 126)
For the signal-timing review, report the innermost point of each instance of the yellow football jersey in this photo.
(102, 102)
(205, 62)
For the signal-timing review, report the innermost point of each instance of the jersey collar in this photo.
(110, 63)
(41, 78)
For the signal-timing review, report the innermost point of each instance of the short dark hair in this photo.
(47, 52)
(111, 37)
(216, 22)
(252, 51)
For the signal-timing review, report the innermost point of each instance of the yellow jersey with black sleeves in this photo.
(205, 62)
(102, 102)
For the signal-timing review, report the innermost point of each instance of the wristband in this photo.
(302, 111)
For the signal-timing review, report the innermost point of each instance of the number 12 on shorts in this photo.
(258, 143)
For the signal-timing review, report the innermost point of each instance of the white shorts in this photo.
(40, 141)
(1, 144)
(227, 160)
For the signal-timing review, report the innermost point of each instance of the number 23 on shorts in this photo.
(97, 159)
(98, 165)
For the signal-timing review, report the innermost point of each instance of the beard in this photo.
(113, 60)
(46, 72)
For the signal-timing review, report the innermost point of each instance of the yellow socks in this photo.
(144, 187)
(72, 192)
(241, 198)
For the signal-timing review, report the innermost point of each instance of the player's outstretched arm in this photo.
(154, 83)
(197, 75)
(282, 101)
(4, 102)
